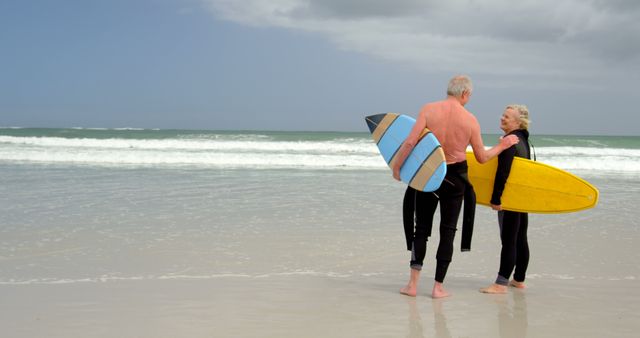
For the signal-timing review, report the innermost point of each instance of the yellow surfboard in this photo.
(533, 187)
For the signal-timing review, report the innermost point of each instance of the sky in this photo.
(316, 65)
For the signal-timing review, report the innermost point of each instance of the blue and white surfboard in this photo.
(425, 167)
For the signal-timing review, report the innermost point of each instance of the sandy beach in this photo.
(207, 168)
(291, 254)
(312, 306)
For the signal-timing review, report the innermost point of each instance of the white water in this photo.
(259, 152)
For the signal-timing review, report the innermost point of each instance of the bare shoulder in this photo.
(473, 125)
(431, 106)
(471, 118)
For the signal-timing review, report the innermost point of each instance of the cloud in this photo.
(568, 41)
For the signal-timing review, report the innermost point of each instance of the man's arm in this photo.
(409, 143)
(483, 155)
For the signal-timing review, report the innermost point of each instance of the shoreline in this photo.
(290, 253)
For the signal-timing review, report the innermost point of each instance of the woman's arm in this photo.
(505, 160)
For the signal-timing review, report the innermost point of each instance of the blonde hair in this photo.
(523, 115)
(458, 85)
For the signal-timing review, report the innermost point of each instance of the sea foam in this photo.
(259, 151)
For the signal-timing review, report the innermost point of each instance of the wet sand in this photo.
(321, 264)
(311, 306)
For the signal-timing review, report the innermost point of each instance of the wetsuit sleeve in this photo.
(505, 159)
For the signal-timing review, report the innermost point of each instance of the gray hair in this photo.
(458, 85)
(523, 114)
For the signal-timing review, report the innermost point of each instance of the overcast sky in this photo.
(316, 64)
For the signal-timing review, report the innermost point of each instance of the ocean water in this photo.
(104, 205)
(128, 148)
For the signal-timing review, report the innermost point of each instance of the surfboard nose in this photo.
(373, 121)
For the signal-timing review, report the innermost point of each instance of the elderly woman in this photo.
(513, 225)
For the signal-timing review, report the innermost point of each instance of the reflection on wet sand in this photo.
(512, 317)
(513, 321)
(415, 321)
(416, 329)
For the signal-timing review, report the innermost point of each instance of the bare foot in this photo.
(412, 286)
(516, 284)
(494, 289)
(409, 290)
(439, 291)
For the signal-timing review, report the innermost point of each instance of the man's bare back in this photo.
(455, 128)
(452, 125)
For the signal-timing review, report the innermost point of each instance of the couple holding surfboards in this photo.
(456, 128)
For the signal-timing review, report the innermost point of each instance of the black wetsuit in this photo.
(513, 225)
(450, 196)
